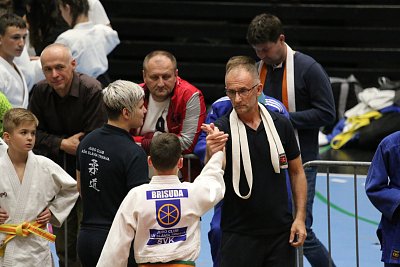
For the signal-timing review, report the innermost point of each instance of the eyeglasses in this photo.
(241, 92)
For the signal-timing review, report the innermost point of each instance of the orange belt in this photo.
(24, 229)
(263, 77)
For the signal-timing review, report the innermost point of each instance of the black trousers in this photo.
(62, 243)
(90, 244)
(257, 251)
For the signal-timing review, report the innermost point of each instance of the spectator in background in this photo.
(173, 104)
(90, 43)
(383, 190)
(109, 164)
(45, 23)
(29, 66)
(12, 41)
(304, 88)
(68, 105)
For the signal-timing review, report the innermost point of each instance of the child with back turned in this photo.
(163, 217)
(33, 191)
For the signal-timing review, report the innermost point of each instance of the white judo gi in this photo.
(90, 44)
(31, 69)
(164, 218)
(44, 185)
(97, 14)
(13, 85)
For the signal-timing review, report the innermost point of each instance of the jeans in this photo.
(215, 234)
(315, 252)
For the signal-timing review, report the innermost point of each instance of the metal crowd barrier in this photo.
(356, 165)
(189, 158)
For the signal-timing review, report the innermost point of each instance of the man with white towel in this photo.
(258, 228)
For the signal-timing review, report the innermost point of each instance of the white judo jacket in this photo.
(163, 218)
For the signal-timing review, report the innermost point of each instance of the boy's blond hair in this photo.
(15, 117)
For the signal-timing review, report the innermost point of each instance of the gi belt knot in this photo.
(23, 230)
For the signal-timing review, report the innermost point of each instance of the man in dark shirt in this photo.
(109, 164)
(303, 86)
(68, 105)
(258, 228)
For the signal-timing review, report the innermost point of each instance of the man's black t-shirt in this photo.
(266, 211)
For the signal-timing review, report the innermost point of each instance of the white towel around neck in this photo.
(240, 147)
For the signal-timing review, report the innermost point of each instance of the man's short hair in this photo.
(9, 20)
(264, 28)
(165, 151)
(61, 46)
(243, 62)
(159, 53)
(14, 117)
(119, 95)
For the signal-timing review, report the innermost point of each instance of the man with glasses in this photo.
(173, 104)
(257, 224)
(304, 88)
(219, 108)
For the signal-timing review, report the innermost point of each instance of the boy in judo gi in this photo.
(163, 217)
(13, 32)
(33, 191)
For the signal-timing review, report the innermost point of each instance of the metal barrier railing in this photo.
(356, 165)
(189, 158)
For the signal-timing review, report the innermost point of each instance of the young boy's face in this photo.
(22, 138)
(13, 42)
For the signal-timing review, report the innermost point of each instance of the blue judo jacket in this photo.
(383, 189)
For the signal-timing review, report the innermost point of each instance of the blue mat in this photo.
(342, 224)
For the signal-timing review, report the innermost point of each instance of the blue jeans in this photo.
(315, 252)
(215, 234)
